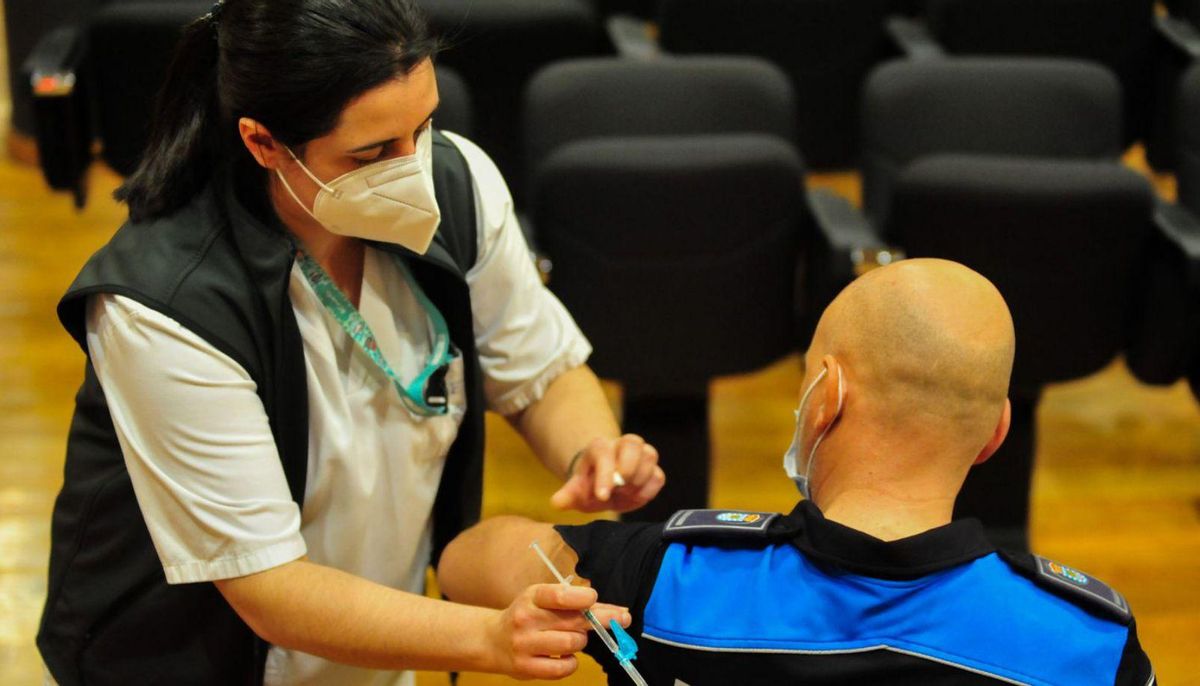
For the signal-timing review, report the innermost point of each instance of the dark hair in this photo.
(291, 64)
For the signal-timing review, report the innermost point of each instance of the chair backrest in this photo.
(1185, 9)
(454, 111)
(496, 45)
(1187, 134)
(676, 255)
(825, 46)
(1115, 33)
(601, 97)
(636, 8)
(131, 46)
(1108, 31)
(1064, 241)
(1022, 107)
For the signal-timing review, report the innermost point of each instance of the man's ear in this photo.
(833, 395)
(262, 145)
(998, 435)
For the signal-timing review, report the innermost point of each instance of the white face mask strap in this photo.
(812, 454)
(306, 171)
(789, 459)
(295, 197)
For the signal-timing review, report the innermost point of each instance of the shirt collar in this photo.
(946, 546)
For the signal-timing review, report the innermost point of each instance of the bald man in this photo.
(867, 580)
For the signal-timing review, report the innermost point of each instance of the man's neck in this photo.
(885, 513)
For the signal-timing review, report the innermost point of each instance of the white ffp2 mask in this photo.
(391, 201)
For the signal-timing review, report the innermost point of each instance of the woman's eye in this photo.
(369, 156)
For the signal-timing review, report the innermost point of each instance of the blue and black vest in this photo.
(222, 271)
(735, 597)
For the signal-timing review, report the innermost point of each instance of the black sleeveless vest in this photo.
(110, 616)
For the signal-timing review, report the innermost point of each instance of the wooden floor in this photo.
(1117, 488)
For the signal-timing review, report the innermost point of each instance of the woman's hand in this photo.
(595, 479)
(539, 633)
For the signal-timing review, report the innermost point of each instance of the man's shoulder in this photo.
(1070, 584)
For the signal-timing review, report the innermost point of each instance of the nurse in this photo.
(291, 345)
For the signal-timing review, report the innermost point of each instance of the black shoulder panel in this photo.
(1072, 584)
(718, 525)
(455, 190)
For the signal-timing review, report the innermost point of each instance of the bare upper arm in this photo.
(492, 562)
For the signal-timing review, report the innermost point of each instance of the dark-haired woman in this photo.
(290, 348)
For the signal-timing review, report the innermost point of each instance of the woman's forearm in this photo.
(329, 613)
(571, 414)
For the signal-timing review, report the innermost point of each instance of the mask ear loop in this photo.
(812, 454)
(292, 193)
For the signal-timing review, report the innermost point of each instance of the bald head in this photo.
(928, 347)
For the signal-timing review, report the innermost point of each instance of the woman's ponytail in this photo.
(185, 138)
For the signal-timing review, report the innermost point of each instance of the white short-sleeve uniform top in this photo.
(205, 468)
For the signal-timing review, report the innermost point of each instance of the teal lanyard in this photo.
(426, 395)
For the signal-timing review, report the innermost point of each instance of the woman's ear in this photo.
(262, 145)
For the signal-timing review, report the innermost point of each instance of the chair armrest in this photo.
(62, 123)
(1164, 338)
(844, 228)
(53, 66)
(632, 37)
(913, 38)
(541, 261)
(843, 246)
(1180, 35)
(1181, 230)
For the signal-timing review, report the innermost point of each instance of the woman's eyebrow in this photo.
(379, 144)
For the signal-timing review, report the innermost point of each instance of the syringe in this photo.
(623, 647)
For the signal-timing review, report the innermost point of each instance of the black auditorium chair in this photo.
(99, 81)
(640, 194)
(668, 196)
(1168, 343)
(606, 96)
(1115, 33)
(496, 45)
(1023, 152)
(677, 257)
(825, 46)
(1188, 140)
(1034, 107)
(636, 8)
(1177, 48)
(455, 112)
(1066, 242)
(1029, 107)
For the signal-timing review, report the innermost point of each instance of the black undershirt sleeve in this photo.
(621, 561)
(614, 557)
(1135, 668)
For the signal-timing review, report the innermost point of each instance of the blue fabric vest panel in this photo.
(981, 616)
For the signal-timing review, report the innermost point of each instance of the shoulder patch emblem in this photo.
(1067, 573)
(740, 517)
(718, 524)
(1082, 586)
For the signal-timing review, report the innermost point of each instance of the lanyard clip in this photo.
(436, 394)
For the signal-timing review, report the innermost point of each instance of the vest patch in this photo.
(1080, 585)
(693, 524)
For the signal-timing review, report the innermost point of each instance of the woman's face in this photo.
(381, 124)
